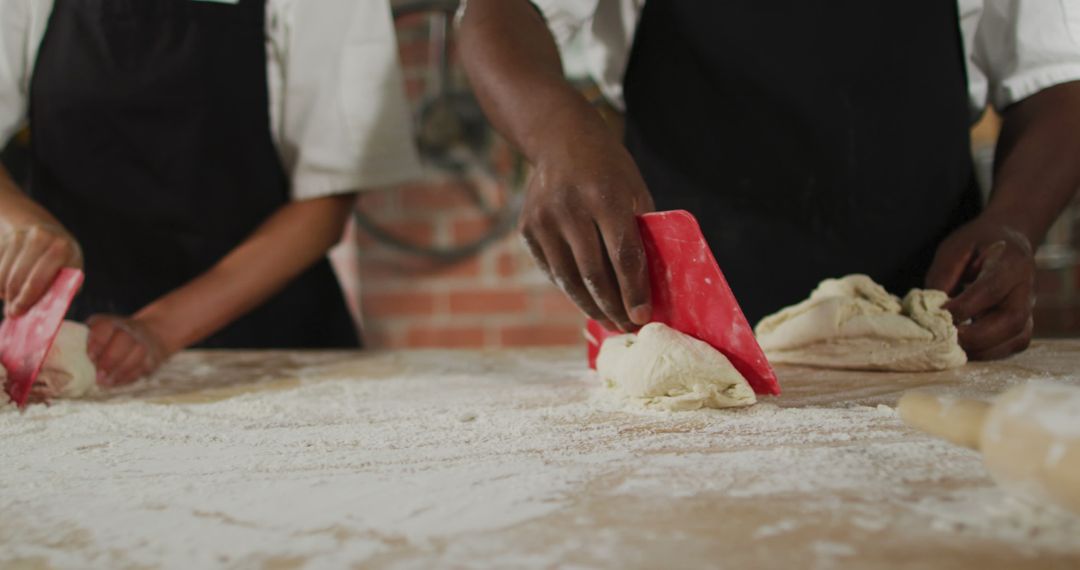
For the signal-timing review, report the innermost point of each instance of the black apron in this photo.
(811, 139)
(151, 143)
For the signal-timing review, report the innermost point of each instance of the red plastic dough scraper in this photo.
(690, 295)
(26, 339)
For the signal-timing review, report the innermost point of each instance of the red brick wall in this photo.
(497, 298)
(493, 299)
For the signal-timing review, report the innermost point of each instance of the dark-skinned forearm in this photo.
(1037, 164)
(514, 67)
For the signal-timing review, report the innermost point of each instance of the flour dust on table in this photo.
(663, 368)
(503, 459)
(854, 323)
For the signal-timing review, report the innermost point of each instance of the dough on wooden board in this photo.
(1029, 436)
(1031, 443)
(68, 371)
(854, 323)
(663, 368)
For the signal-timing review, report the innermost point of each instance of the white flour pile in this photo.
(494, 461)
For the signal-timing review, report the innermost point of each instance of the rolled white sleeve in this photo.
(565, 18)
(1025, 46)
(341, 119)
(607, 28)
(970, 15)
(22, 25)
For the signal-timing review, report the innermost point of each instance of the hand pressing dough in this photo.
(854, 323)
(664, 368)
(68, 371)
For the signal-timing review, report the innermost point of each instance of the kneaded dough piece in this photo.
(663, 368)
(854, 323)
(68, 371)
(1031, 442)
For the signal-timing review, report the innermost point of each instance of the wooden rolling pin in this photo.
(1029, 436)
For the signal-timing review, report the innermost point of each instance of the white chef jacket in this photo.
(338, 110)
(1014, 48)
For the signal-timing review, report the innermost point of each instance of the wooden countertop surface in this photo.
(288, 459)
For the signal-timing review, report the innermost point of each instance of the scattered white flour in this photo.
(886, 410)
(444, 459)
(833, 549)
(1056, 406)
(774, 529)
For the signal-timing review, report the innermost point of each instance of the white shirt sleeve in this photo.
(566, 18)
(1025, 46)
(607, 29)
(22, 26)
(970, 15)
(338, 107)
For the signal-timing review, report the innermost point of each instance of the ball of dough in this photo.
(854, 323)
(664, 368)
(1031, 443)
(68, 371)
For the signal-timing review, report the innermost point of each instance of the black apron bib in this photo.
(151, 143)
(811, 139)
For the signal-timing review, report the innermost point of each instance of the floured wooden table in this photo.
(506, 460)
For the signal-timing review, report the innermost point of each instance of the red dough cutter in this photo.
(26, 339)
(690, 295)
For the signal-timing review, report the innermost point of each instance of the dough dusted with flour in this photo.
(854, 323)
(68, 371)
(663, 368)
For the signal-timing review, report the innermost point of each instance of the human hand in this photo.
(30, 258)
(124, 349)
(579, 222)
(988, 268)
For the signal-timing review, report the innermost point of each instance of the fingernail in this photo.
(102, 379)
(641, 314)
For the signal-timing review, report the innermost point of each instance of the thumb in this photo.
(101, 330)
(948, 268)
